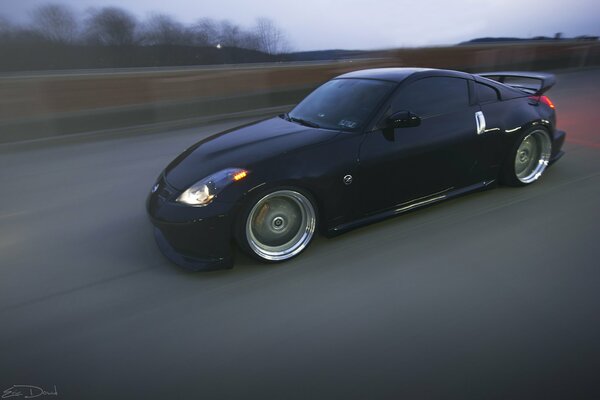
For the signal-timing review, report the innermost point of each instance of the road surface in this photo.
(494, 295)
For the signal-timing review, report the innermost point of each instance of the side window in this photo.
(433, 96)
(485, 93)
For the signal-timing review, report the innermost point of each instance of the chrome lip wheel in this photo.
(532, 156)
(280, 225)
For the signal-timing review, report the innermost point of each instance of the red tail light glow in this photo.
(544, 99)
(547, 101)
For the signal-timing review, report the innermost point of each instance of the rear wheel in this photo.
(528, 159)
(279, 225)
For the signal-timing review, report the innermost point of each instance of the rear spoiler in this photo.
(535, 83)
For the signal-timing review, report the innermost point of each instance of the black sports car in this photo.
(364, 146)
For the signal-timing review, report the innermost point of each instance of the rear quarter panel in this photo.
(505, 121)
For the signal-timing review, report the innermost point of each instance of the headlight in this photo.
(204, 191)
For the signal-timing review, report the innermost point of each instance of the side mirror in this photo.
(403, 119)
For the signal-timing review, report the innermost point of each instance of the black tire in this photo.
(528, 158)
(277, 225)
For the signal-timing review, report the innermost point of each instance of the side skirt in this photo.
(409, 206)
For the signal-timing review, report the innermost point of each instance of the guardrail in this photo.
(35, 105)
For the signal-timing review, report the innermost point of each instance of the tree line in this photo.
(113, 37)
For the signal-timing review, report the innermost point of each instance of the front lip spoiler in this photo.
(188, 262)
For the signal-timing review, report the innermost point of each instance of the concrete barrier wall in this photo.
(59, 103)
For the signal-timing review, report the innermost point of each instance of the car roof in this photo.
(400, 74)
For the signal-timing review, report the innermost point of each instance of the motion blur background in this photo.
(494, 295)
(81, 66)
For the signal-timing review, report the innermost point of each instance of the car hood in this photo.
(241, 147)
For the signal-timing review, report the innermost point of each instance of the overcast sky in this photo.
(367, 24)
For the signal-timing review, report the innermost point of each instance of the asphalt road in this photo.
(495, 295)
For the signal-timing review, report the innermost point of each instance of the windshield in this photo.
(342, 104)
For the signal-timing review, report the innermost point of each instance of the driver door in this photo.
(406, 165)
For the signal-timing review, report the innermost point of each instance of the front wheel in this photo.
(528, 159)
(279, 225)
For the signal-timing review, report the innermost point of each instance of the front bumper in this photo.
(195, 238)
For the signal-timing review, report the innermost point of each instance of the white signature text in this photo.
(27, 392)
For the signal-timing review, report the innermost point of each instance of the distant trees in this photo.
(205, 32)
(230, 35)
(113, 26)
(110, 26)
(56, 23)
(6, 28)
(225, 33)
(161, 29)
(270, 38)
(264, 36)
(111, 36)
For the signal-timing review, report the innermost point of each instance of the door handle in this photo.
(480, 121)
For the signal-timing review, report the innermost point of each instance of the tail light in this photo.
(543, 99)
